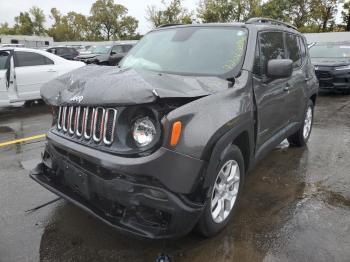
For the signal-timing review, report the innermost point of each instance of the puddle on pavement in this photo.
(326, 194)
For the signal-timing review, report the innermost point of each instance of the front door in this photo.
(4, 71)
(270, 94)
(32, 71)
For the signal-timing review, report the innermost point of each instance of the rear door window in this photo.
(117, 49)
(4, 60)
(61, 51)
(293, 49)
(31, 59)
(126, 48)
(51, 50)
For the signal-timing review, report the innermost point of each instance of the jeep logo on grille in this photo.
(77, 99)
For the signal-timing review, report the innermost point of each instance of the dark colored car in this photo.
(106, 54)
(332, 65)
(68, 53)
(162, 144)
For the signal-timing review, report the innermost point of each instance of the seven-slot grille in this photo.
(96, 123)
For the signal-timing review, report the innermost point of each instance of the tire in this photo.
(299, 139)
(208, 225)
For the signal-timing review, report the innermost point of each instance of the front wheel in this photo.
(225, 193)
(301, 137)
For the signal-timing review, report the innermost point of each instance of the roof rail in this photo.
(263, 20)
(168, 25)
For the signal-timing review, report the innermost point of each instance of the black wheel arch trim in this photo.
(220, 143)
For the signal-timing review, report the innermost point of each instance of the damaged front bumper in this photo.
(121, 191)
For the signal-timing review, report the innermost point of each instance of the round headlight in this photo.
(144, 131)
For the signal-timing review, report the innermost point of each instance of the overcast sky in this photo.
(11, 8)
(137, 8)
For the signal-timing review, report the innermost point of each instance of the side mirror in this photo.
(279, 68)
(113, 53)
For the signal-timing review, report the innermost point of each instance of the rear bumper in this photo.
(123, 195)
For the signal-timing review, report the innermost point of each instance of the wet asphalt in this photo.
(296, 204)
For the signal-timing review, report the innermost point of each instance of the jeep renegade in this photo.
(161, 144)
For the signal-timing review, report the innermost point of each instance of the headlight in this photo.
(144, 131)
(347, 67)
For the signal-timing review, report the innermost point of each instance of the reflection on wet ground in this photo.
(296, 205)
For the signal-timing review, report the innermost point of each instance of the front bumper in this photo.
(124, 195)
(331, 79)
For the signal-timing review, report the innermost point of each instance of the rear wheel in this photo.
(225, 193)
(301, 137)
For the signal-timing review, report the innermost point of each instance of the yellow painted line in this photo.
(11, 142)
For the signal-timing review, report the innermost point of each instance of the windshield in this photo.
(189, 50)
(100, 49)
(330, 51)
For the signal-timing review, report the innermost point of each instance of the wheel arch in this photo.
(242, 136)
(313, 98)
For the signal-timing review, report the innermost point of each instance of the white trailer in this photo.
(25, 41)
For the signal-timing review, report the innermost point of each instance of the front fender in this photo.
(207, 119)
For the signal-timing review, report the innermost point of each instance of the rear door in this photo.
(296, 84)
(270, 94)
(32, 71)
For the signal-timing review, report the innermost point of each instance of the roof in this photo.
(20, 49)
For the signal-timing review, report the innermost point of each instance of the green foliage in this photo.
(228, 10)
(38, 20)
(109, 20)
(23, 24)
(112, 20)
(346, 15)
(307, 15)
(6, 30)
(171, 13)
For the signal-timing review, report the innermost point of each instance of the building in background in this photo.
(26, 41)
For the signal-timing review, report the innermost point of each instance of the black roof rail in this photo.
(168, 25)
(263, 20)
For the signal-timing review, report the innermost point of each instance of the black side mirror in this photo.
(113, 53)
(279, 68)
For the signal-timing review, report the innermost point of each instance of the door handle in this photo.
(287, 87)
(51, 71)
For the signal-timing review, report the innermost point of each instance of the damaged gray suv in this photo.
(161, 145)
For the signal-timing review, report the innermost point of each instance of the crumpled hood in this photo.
(104, 85)
(330, 61)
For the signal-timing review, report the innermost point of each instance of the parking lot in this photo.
(296, 204)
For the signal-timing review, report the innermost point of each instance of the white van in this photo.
(23, 71)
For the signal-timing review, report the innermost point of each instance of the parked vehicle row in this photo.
(106, 54)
